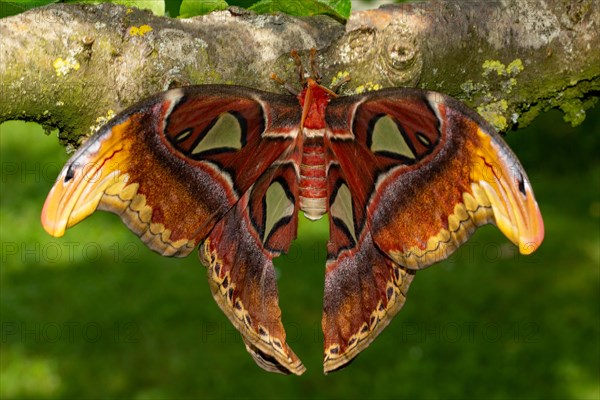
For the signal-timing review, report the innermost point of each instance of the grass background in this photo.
(96, 315)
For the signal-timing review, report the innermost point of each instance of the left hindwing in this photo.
(239, 254)
(411, 174)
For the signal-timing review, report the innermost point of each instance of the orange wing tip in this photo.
(68, 203)
(83, 181)
(517, 216)
(51, 222)
(531, 239)
(506, 187)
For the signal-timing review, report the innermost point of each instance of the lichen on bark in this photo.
(71, 66)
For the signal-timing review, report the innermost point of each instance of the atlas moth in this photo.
(404, 175)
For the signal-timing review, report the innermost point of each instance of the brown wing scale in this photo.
(422, 171)
(143, 165)
(199, 164)
(410, 175)
(239, 252)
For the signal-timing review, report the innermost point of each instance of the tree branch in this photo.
(71, 66)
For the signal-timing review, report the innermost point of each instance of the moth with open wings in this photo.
(405, 176)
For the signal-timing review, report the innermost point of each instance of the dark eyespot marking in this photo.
(389, 293)
(70, 173)
(521, 185)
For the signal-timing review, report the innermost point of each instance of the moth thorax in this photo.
(313, 179)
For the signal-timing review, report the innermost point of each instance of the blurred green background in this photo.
(96, 314)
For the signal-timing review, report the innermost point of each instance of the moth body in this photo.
(313, 173)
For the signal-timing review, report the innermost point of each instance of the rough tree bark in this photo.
(72, 66)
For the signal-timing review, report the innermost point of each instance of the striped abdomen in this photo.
(313, 182)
